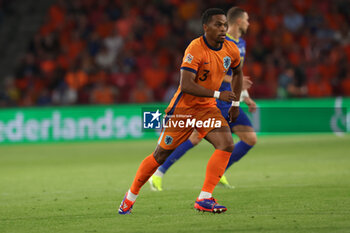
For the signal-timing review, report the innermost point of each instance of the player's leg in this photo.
(157, 177)
(221, 139)
(167, 142)
(247, 138)
(242, 127)
(147, 167)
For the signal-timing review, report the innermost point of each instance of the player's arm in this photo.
(247, 83)
(236, 84)
(189, 86)
(250, 103)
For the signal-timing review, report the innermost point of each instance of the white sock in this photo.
(204, 195)
(159, 173)
(131, 196)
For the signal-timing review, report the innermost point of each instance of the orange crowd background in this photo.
(114, 51)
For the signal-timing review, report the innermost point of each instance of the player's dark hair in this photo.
(234, 13)
(206, 17)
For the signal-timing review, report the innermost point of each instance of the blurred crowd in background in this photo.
(115, 51)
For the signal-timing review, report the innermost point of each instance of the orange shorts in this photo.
(180, 125)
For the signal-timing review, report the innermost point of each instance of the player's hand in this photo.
(233, 113)
(251, 104)
(227, 96)
(247, 83)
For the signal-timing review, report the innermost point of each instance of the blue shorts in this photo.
(241, 120)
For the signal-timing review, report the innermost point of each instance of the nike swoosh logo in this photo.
(206, 63)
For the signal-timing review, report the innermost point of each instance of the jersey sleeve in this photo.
(192, 58)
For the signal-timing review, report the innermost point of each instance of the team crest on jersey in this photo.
(168, 140)
(227, 62)
(189, 58)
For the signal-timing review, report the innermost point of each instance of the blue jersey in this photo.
(227, 86)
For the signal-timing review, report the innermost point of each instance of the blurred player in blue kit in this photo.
(237, 26)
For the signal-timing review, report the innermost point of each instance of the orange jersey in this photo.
(210, 66)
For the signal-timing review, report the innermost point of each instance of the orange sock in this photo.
(148, 166)
(215, 169)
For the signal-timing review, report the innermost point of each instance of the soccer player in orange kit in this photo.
(238, 23)
(206, 61)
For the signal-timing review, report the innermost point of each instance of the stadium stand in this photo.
(114, 51)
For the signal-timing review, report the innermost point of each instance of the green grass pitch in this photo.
(295, 183)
